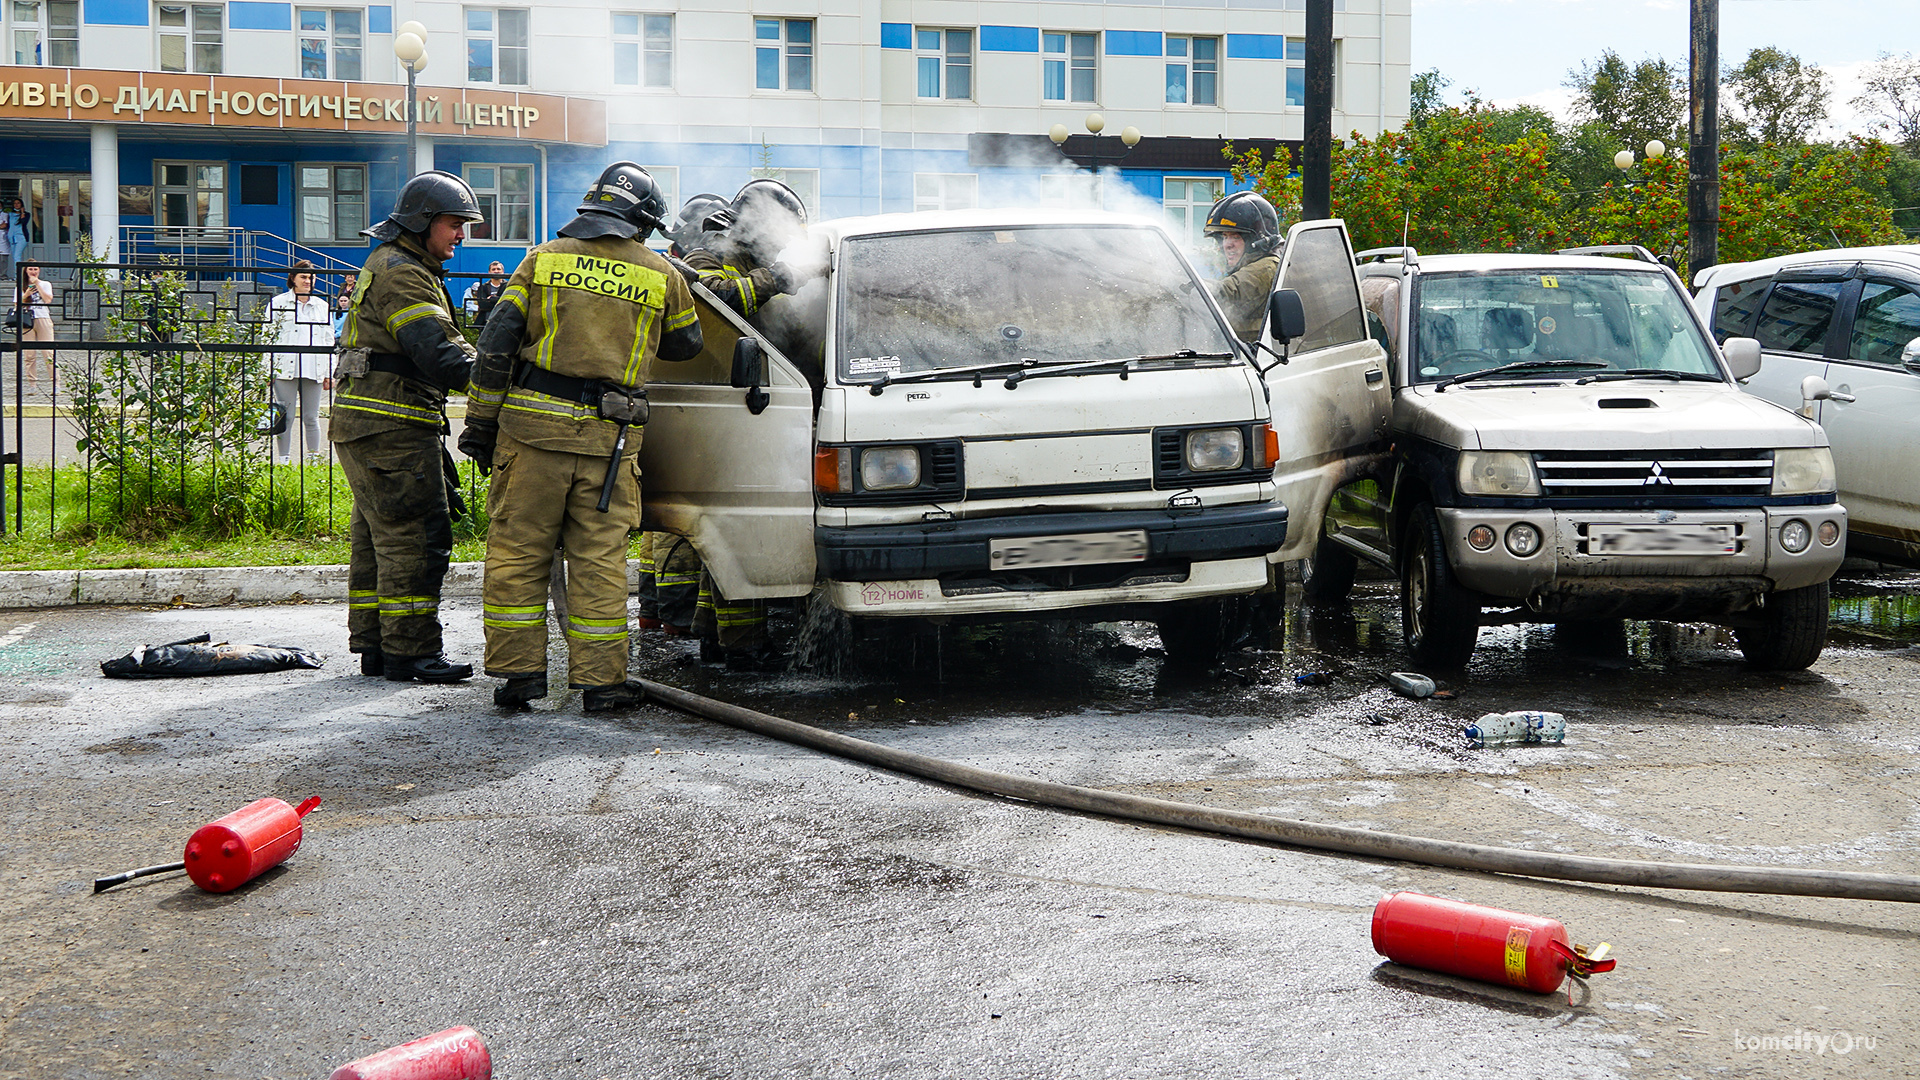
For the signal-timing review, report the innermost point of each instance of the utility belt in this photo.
(359, 361)
(614, 402)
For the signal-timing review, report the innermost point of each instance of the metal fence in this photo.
(165, 401)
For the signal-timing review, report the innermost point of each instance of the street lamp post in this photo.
(410, 46)
(1129, 136)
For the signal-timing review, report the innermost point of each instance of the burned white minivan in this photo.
(978, 416)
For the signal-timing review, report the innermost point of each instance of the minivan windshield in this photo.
(1023, 296)
(1591, 325)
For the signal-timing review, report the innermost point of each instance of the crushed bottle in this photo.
(1516, 728)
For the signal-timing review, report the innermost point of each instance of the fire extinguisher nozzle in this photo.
(101, 885)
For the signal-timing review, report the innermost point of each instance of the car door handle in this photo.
(1374, 375)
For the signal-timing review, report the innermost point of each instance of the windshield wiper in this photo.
(889, 378)
(1618, 376)
(1522, 365)
(1125, 364)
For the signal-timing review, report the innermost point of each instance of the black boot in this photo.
(373, 663)
(519, 690)
(764, 658)
(429, 669)
(624, 695)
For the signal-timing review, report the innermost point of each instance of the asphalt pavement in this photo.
(648, 894)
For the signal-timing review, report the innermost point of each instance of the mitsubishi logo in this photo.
(1657, 476)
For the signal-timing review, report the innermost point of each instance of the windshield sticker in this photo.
(1003, 237)
(1547, 325)
(1549, 282)
(872, 365)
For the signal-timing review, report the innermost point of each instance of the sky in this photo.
(1521, 50)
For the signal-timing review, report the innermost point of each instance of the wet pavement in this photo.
(654, 895)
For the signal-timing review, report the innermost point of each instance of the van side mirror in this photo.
(1743, 356)
(1288, 317)
(750, 372)
(1910, 356)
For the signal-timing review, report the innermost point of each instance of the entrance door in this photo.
(61, 211)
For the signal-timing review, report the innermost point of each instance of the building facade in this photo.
(150, 121)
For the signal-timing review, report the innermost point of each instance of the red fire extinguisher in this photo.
(225, 854)
(1488, 944)
(458, 1053)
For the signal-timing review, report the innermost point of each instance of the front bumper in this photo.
(1126, 598)
(1561, 571)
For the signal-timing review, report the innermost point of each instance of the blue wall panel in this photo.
(896, 35)
(1256, 46)
(1133, 43)
(1010, 39)
(254, 15)
(116, 13)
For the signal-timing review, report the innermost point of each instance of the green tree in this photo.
(1632, 103)
(1892, 93)
(1775, 98)
(1424, 97)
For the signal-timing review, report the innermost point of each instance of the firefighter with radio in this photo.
(400, 353)
(1248, 232)
(555, 412)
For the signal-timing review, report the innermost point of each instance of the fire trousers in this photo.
(540, 499)
(733, 624)
(669, 578)
(402, 539)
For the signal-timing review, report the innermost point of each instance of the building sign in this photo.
(224, 101)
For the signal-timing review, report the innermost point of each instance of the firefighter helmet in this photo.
(1250, 215)
(424, 198)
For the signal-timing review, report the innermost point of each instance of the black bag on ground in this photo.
(202, 656)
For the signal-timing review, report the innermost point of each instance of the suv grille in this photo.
(1662, 475)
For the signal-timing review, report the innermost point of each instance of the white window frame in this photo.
(945, 191)
(1191, 68)
(804, 182)
(644, 52)
(943, 61)
(338, 234)
(1299, 64)
(331, 47)
(497, 49)
(1193, 231)
(786, 51)
(192, 38)
(192, 189)
(497, 193)
(1068, 63)
(43, 37)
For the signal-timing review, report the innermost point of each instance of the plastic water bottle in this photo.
(1512, 728)
(1411, 684)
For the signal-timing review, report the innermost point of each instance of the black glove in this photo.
(476, 441)
(686, 271)
(785, 278)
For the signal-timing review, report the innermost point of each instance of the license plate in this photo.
(1036, 551)
(1660, 540)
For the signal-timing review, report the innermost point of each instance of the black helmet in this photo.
(755, 195)
(627, 191)
(691, 221)
(1250, 215)
(424, 198)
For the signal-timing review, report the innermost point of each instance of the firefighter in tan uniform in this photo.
(400, 354)
(555, 411)
(1248, 231)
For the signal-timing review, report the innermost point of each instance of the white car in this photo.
(1839, 334)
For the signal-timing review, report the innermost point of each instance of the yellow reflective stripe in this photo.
(383, 407)
(513, 609)
(550, 316)
(408, 605)
(515, 295)
(362, 599)
(592, 624)
(532, 401)
(684, 319)
(616, 278)
(614, 634)
(677, 579)
(412, 313)
(486, 397)
(514, 617)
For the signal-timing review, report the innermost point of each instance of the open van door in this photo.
(1332, 400)
(731, 467)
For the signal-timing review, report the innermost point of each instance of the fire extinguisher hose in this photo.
(1789, 881)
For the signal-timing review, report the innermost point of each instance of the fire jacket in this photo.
(401, 313)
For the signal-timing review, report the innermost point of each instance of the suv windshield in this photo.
(1053, 294)
(1608, 324)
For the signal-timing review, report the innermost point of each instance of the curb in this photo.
(209, 585)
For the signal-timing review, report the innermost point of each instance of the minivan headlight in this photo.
(890, 468)
(1805, 470)
(1216, 449)
(1497, 472)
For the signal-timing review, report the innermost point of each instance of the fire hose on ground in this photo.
(1788, 881)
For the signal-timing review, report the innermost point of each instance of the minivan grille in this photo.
(1662, 475)
(943, 466)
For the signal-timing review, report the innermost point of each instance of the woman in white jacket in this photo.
(301, 318)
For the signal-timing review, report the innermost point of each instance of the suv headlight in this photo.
(889, 468)
(1497, 472)
(1216, 449)
(1804, 470)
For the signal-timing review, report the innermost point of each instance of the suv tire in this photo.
(1326, 576)
(1439, 618)
(1195, 632)
(1791, 632)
